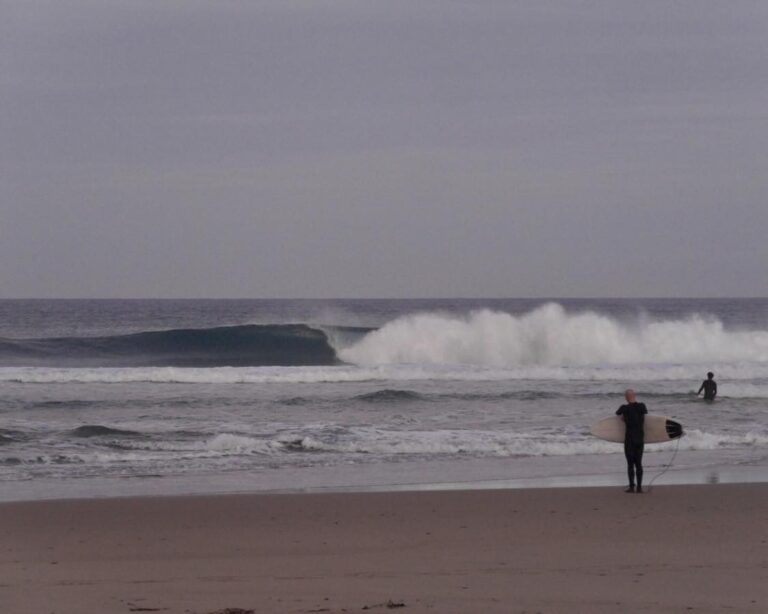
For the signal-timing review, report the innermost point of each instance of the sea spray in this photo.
(549, 336)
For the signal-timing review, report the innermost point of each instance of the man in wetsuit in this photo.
(633, 414)
(709, 386)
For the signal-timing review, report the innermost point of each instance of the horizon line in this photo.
(376, 298)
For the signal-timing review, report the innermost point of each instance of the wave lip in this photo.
(235, 346)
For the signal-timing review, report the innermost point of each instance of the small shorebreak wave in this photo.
(389, 395)
(232, 346)
(97, 430)
(382, 442)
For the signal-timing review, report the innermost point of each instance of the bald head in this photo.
(630, 395)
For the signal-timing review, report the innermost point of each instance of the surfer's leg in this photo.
(630, 466)
(639, 466)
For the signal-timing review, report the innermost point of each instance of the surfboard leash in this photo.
(663, 471)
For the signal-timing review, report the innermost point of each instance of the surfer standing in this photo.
(633, 415)
(709, 386)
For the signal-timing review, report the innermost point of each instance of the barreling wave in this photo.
(551, 337)
(235, 346)
(546, 343)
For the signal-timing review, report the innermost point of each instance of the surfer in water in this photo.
(633, 414)
(709, 386)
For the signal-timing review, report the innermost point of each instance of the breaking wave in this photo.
(544, 338)
(547, 343)
(550, 337)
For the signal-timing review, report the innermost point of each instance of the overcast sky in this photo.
(409, 148)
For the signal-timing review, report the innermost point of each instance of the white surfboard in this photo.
(658, 429)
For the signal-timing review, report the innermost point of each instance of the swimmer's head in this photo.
(710, 375)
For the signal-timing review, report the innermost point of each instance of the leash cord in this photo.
(669, 464)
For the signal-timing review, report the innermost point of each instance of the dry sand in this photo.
(678, 549)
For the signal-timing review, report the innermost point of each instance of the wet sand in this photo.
(700, 548)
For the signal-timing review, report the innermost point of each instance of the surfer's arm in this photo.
(701, 388)
(714, 390)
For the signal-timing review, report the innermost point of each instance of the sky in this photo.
(392, 148)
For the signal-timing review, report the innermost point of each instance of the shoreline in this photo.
(481, 474)
(700, 547)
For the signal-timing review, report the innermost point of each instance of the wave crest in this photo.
(237, 346)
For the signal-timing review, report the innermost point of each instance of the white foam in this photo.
(700, 440)
(239, 444)
(379, 441)
(549, 336)
(395, 372)
(456, 442)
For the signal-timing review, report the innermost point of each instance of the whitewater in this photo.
(548, 336)
(102, 398)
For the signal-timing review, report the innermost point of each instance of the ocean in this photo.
(143, 397)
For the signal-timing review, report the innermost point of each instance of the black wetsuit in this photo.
(634, 440)
(710, 389)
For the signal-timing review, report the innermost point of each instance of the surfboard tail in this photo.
(674, 429)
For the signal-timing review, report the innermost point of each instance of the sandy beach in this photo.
(677, 549)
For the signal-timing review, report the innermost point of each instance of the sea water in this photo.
(106, 398)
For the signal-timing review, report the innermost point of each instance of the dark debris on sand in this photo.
(390, 605)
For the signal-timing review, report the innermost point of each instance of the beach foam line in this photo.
(733, 372)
